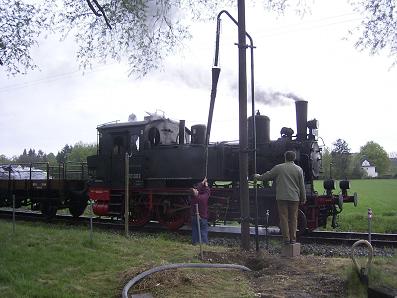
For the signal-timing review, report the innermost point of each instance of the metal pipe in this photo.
(254, 145)
(199, 231)
(243, 136)
(243, 131)
(215, 77)
(142, 275)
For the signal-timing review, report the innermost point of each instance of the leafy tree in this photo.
(51, 159)
(31, 156)
(145, 32)
(326, 163)
(62, 156)
(20, 26)
(340, 156)
(378, 28)
(376, 155)
(356, 171)
(4, 159)
(80, 152)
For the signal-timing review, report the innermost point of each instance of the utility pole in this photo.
(243, 130)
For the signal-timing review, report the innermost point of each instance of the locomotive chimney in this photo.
(301, 120)
(181, 132)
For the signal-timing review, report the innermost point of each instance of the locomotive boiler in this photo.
(165, 159)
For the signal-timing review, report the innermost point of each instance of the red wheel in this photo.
(140, 211)
(172, 212)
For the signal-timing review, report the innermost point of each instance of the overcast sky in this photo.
(352, 94)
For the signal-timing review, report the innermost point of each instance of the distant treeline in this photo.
(339, 163)
(69, 153)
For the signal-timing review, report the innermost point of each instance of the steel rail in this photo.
(326, 237)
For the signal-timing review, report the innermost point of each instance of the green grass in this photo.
(43, 260)
(382, 273)
(378, 194)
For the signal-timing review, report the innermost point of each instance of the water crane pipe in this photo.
(215, 77)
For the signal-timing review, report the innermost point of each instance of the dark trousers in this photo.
(203, 230)
(288, 214)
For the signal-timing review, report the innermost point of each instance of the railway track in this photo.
(341, 238)
(348, 238)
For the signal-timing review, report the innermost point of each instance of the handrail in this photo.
(59, 171)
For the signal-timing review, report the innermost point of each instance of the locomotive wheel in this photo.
(48, 209)
(173, 212)
(77, 208)
(141, 213)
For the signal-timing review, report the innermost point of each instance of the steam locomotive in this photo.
(156, 161)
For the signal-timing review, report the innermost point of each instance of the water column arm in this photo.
(215, 77)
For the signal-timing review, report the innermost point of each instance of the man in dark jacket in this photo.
(200, 195)
(290, 191)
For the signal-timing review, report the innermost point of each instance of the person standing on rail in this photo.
(290, 191)
(200, 194)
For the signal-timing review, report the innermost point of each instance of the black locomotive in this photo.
(165, 158)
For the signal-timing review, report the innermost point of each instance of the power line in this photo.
(271, 34)
(307, 22)
(50, 79)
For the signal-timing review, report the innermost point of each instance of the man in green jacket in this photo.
(290, 191)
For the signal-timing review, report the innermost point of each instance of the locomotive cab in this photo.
(134, 137)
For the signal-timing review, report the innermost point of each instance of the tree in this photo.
(80, 152)
(145, 32)
(376, 155)
(356, 171)
(378, 28)
(340, 156)
(4, 159)
(30, 156)
(51, 159)
(326, 163)
(20, 26)
(62, 156)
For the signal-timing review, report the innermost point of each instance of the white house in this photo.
(370, 170)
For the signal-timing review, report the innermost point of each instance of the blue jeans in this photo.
(203, 230)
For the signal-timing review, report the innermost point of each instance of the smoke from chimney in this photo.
(197, 77)
(274, 98)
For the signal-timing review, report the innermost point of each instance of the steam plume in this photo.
(274, 98)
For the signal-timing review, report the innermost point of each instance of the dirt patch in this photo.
(271, 275)
(274, 276)
(168, 278)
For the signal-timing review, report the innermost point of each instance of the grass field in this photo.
(44, 260)
(378, 194)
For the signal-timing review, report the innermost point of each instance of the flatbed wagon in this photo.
(44, 187)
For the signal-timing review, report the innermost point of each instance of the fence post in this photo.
(126, 196)
(369, 224)
(13, 214)
(267, 230)
(91, 226)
